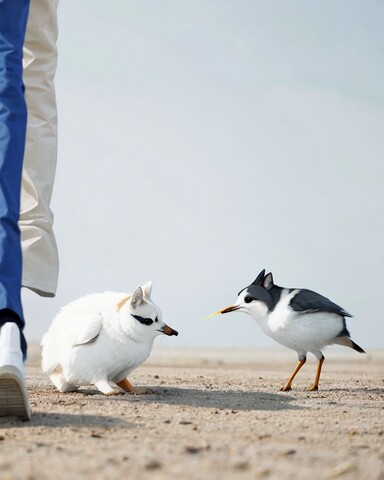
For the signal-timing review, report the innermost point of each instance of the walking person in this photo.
(28, 152)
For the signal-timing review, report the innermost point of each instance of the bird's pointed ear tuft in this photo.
(259, 279)
(147, 289)
(137, 297)
(268, 281)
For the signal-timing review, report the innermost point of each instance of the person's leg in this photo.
(40, 258)
(13, 114)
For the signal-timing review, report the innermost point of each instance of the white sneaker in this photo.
(13, 390)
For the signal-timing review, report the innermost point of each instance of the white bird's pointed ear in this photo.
(147, 289)
(137, 297)
(268, 281)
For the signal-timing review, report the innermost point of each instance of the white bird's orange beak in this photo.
(168, 331)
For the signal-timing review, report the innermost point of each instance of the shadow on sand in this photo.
(217, 399)
(191, 397)
(60, 420)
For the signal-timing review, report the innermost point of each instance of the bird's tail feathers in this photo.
(347, 342)
(357, 347)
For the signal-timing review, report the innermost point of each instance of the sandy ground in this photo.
(215, 414)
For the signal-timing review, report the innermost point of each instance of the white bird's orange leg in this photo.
(288, 385)
(127, 386)
(315, 386)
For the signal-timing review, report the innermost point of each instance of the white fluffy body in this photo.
(96, 340)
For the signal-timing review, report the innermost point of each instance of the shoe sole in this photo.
(13, 394)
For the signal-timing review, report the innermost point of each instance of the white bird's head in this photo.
(255, 300)
(140, 318)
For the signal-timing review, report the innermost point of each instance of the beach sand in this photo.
(214, 414)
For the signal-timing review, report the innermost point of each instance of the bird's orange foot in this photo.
(127, 386)
(314, 388)
(286, 388)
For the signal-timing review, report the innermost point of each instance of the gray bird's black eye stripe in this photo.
(144, 321)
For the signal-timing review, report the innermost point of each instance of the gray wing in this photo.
(307, 301)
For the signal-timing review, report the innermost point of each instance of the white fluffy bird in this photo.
(299, 319)
(102, 338)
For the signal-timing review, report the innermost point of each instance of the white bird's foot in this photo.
(58, 380)
(105, 387)
(127, 386)
(13, 390)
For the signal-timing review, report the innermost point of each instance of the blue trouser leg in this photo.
(13, 119)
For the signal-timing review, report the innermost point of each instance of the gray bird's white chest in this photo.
(278, 321)
(302, 332)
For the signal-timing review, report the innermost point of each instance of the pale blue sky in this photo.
(201, 141)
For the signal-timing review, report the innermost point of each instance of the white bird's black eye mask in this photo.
(144, 321)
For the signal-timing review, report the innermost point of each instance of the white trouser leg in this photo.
(40, 258)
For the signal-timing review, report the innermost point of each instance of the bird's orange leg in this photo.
(127, 386)
(315, 386)
(288, 385)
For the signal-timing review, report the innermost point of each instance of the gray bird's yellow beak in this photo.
(224, 310)
(168, 331)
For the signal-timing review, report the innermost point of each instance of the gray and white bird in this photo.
(102, 338)
(299, 319)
